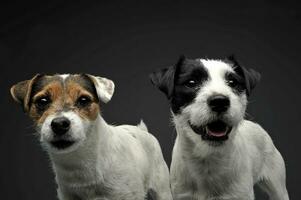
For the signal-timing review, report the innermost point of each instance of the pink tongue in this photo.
(217, 134)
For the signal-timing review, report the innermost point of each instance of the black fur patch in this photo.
(184, 93)
(85, 81)
(37, 86)
(236, 82)
(164, 79)
(248, 77)
(175, 82)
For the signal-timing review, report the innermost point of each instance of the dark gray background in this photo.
(125, 42)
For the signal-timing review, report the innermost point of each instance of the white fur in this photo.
(77, 133)
(142, 126)
(104, 88)
(107, 162)
(200, 171)
(64, 76)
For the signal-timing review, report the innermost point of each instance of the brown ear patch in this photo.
(18, 91)
(21, 91)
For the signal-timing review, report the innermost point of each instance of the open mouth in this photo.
(214, 131)
(62, 144)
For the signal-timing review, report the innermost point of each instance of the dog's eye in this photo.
(232, 81)
(191, 83)
(42, 102)
(83, 101)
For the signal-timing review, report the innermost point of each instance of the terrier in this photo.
(218, 155)
(92, 160)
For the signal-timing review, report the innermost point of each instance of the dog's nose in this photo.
(60, 125)
(219, 103)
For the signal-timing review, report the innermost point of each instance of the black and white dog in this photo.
(217, 153)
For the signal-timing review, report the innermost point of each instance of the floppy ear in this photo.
(163, 79)
(104, 87)
(21, 92)
(250, 76)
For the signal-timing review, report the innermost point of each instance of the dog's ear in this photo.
(21, 91)
(250, 76)
(163, 79)
(104, 87)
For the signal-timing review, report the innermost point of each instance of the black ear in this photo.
(163, 79)
(250, 76)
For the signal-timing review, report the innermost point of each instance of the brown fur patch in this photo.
(74, 91)
(64, 97)
(55, 92)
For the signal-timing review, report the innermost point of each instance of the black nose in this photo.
(219, 103)
(60, 125)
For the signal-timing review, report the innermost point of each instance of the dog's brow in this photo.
(40, 94)
(84, 92)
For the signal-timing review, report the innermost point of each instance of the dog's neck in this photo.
(212, 163)
(85, 165)
(203, 150)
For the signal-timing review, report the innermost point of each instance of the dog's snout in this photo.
(219, 103)
(60, 125)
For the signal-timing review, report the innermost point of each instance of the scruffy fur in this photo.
(208, 167)
(103, 162)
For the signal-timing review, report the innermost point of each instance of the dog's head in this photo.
(63, 107)
(207, 97)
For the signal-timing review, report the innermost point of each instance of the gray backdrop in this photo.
(125, 42)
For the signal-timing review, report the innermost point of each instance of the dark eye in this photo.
(83, 101)
(232, 83)
(191, 83)
(42, 102)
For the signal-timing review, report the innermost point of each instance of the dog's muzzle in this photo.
(219, 103)
(60, 127)
(217, 131)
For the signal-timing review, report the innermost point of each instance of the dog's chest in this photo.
(101, 192)
(91, 192)
(212, 177)
(111, 186)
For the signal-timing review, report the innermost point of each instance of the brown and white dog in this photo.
(92, 159)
